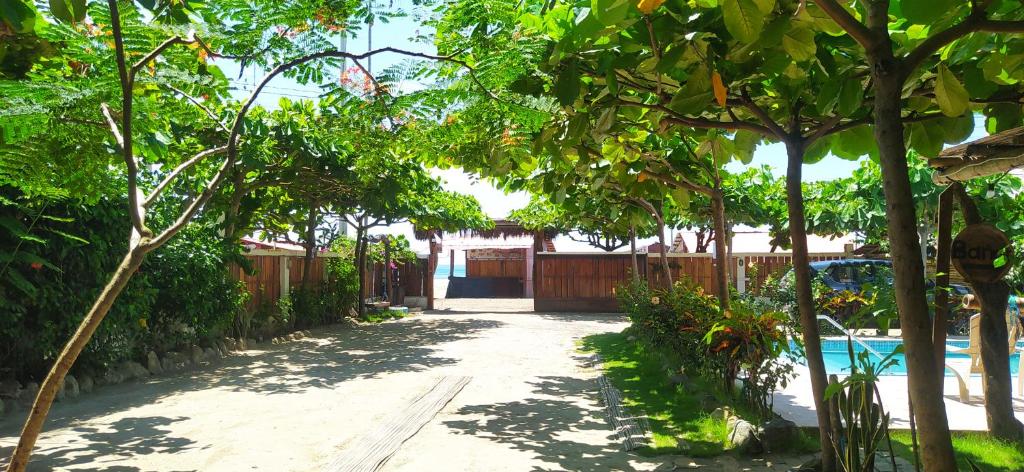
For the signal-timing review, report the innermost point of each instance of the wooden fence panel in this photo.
(581, 282)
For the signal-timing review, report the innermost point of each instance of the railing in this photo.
(850, 335)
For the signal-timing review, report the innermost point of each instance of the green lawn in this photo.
(987, 453)
(674, 412)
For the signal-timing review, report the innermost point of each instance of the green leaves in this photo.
(799, 43)
(567, 86)
(695, 95)
(744, 19)
(68, 11)
(18, 15)
(924, 12)
(610, 12)
(950, 93)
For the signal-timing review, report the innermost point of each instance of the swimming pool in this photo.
(837, 358)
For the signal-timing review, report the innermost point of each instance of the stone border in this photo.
(632, 431)
(14, 397)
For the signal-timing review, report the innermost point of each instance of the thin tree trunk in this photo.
(234, 206)
(944, 242)
(722, 264)
(915, 322)
(388, 285)
(361, 243)
(55, 378)
(632, 253)
(805, 301)
(663, 250)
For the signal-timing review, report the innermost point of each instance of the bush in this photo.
(687, 325)
(61, 254)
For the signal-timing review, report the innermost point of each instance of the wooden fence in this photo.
(496, 263)
(587, 282)
(278, 272)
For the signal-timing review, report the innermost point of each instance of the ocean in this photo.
(442, 271)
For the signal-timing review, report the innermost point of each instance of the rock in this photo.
(744, 437)
(174, 361)
(132, 370)
(230, 344)
(71, 387)
(250, 343)
(631, 338)
(211, 354)
(708, 402)
(153, 364)
(723, 413)
(9, 388)
(222, 348)
(275, 341)
(86, 384)
(298, 335)
(777, 433)
(28, 394)
(197, 356)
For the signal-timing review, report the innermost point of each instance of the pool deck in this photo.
(796, 403)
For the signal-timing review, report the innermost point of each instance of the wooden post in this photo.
(431, 267)
(451, 265)
(285, 274)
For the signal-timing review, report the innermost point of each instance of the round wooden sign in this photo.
(982, 253)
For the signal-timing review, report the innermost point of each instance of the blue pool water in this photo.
(837, 358)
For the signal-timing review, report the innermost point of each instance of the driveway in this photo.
(530, 404)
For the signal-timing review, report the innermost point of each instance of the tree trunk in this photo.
(915, 322)
(940, 320)
(722, 264)
(388, 285)
(632, 253)
(805, 301)
(55, 378)
(361, 243)
(994, 357)
(994, 340)
(663, 251)
(234, 205)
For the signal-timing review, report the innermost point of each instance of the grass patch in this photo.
(378, 316)
(987, 453)
(675, 412)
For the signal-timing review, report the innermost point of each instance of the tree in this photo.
(138, 63)
(922, 46)
(580, 217)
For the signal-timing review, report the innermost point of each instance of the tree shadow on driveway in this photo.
(561, 424)
(81, 446)
(324, 360)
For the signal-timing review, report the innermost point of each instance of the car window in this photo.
(841, 273)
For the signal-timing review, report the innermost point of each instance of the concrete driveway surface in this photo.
(531, 404)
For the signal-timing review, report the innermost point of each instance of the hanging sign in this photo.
(982, 253)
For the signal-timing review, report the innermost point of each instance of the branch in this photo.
(823, 130)
(157, 52)
(213, 116)
(762, 115)
(857, 30)
(701, 123)
(112, 124)
(975, 22)
(124, 137)
(177, 171)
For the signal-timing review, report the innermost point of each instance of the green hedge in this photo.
(56, 257)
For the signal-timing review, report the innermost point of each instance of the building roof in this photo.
(993, 154)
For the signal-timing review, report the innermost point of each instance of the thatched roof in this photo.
(502, 228)
(990, 155)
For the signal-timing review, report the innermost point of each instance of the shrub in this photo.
(62, 253)
(687, 325)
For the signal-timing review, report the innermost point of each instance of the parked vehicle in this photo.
(854, 276)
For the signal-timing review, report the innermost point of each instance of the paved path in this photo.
(531, 403)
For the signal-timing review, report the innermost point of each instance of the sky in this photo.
(495, 203)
